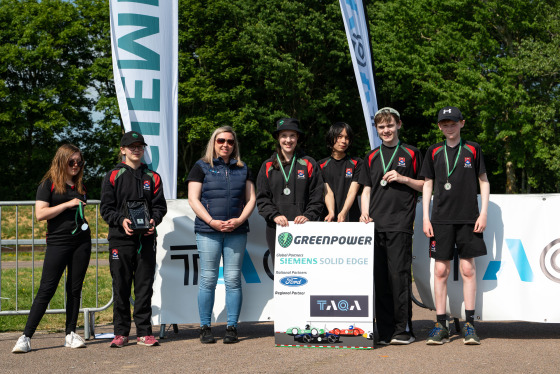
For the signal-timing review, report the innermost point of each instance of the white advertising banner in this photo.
(323, 289)
(176, 281)
(355, 24)
(519, 278)
(144, 45)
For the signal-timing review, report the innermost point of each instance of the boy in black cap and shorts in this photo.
(452, 169)
(391, 184)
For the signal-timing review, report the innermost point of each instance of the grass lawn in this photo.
(9, 254)
(52, 322)
(25, 219)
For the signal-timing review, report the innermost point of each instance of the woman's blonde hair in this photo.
(58, 170)
(209, 155)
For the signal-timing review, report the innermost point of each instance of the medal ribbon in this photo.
(447, 159)
(286, 178)
(79, 211)
(385, 168)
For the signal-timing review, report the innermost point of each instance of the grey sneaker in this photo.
(206, 336)
(469, 335)
(74, 340)
(402, 339)
(231, 335)
(438, 335)
(23, 345)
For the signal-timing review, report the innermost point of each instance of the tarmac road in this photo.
(507, 347)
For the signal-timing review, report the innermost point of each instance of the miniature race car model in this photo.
(310, 330)
(324, 338)
(351, 330)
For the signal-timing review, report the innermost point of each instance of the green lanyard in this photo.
(385, 168)
(286, 177)
(80, 212)
(447, 159)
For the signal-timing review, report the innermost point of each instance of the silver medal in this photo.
(84, 227)
(383, 183)
(287, 191)
(447, 186)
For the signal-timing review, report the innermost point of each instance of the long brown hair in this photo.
(209, 155)
(58, 170)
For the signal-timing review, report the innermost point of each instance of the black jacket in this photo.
(306, 191)
(123, 183)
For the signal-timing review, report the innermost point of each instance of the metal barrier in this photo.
(89, 312)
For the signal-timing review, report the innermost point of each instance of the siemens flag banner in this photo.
(144, 35)
(355, 24)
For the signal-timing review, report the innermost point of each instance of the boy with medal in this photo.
(289, 184)
(390, 179)
(452, 169)
(341, 174)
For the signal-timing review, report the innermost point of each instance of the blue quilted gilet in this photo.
(223, 193)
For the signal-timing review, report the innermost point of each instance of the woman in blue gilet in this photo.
(221, 192)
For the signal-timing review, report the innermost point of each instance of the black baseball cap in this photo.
(287, 124)
(450, 112)
(132, 137)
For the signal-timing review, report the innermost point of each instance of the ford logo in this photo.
(293, 281)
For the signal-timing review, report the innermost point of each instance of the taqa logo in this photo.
(468, 162)
(401, 162)
(293, 281)
(339, 306)
(285, 239)
(349, 173)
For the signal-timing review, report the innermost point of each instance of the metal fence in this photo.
(88, 310)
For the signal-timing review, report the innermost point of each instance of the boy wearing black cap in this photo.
(132, 255)
(452, 169)
(391, 184)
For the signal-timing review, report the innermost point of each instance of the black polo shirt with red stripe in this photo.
(459, 204)
(339, 175)
(392, 207)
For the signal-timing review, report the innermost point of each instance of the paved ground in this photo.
(511, 347)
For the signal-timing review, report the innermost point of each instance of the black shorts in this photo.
(469, 243)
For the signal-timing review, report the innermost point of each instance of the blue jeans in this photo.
(211, 247)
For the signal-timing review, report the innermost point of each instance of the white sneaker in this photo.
(74, 340)
(23, 345)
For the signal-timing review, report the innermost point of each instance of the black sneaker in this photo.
(231, 335)
(206, 335)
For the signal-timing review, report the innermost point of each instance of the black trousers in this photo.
(393, 283)
(127, 265)
(75, 257)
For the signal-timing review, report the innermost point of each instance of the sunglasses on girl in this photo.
(71, 163)
(222, 141)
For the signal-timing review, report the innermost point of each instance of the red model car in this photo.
(351, 330)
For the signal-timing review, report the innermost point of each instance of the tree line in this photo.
(246, 64)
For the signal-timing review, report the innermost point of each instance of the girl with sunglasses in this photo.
(222, 195)
(61, 198)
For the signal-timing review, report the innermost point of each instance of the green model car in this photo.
(313, 331)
